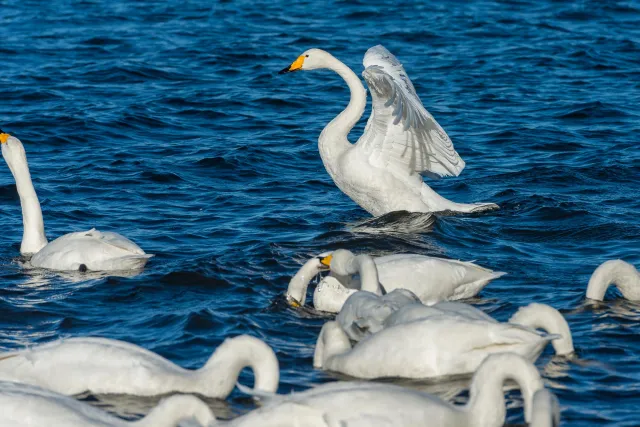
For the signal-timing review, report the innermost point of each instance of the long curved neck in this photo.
(369, 281)
(220, 373)
(33, 238)
(174, 409)
(617, 272)
(486, 404)
(333, 139)
(298, 284)
(542, 316)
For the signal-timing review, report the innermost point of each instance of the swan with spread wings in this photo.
(402, 141)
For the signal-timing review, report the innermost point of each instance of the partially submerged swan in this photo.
(615, 272)
(100, 365)
(25, 405)
(374, 404)
(86, 250)
(438, 345)
(431, 279)
(381, 172)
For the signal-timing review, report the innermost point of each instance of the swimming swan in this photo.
(86, 250)
(28, 406)
(431, 279)
(440, 345)
(617, 272)
(381, 172)
(101, 365)
(375, 404)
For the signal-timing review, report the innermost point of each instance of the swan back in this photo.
(330, 295)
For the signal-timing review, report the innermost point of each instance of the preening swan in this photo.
(619, 273)
(374, 404)
(431, 279)
(381, 172)
(437, 345)
(87, 250)
(29, 406)
(107, 366)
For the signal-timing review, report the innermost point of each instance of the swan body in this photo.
(431, 279)
(29, 406)
(622, 274)
(106, 366)
(381, 172)
(87, 250)
(374, 404)
(440, 344)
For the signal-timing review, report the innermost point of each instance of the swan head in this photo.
(12, 150)
(311, 59)
(341, 262)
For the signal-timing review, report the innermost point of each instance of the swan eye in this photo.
(306, 56)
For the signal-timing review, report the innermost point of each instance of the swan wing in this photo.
(114, 239)
(400, 131)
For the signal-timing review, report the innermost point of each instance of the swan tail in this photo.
(547, 318)
(130, 262)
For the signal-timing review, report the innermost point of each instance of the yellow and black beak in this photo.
(293, 303)
(4, 137)
(297, 65)
(326, 261)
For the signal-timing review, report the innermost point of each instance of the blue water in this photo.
(166, 121)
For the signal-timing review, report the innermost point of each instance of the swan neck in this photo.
(615, 272)
(486, 406)
(334, 138)
(174, 409)
(547, 318)
(299, 283)
(369, 281)
(33, 237)
(220, 374)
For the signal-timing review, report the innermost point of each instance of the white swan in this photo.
(381, 172)
(622, 274)
(86, 250)
(29, 406)
(374, 404)
(431, 279)
(107, 366)
(437, 345)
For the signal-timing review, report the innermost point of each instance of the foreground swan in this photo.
(86, 250)
(622, 274)
(101, 365)
(437, 345)
(431, 279)
(28, 406)
(381, 172)
(374, 404)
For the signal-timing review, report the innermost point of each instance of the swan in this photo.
(377, 404)
(431, 279)
(624, 275)
(25, 405)
(86, 250)
(438, 345)
(381, 172)
(106, 366)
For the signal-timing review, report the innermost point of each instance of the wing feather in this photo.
(400, 130)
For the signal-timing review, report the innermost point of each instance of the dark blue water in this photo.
(166, 121)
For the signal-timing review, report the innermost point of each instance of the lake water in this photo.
(167, 122)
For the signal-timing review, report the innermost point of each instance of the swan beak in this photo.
(4, 137)
(326, 261)
(293, 303)
(297, 65)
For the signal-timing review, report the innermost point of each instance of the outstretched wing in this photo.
(400, 130)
